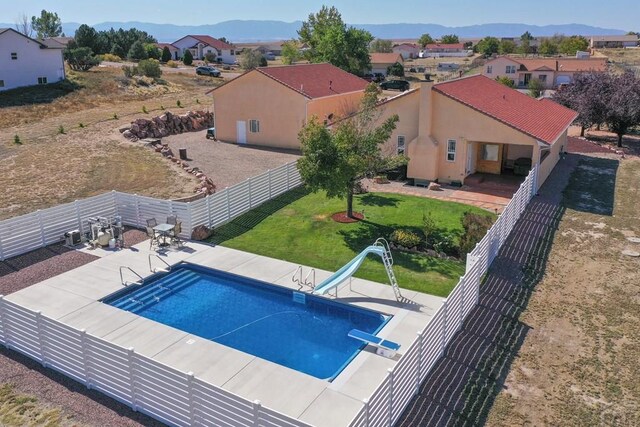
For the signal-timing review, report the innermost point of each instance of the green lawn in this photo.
(297, 227)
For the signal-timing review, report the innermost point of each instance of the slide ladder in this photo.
(380, 248)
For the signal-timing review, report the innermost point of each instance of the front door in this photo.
(241, 130)
(471, 152)
(527, 79)
(489, 158)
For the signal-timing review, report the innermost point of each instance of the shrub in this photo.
(210, 57)
(149, 68)
(179, 104)
(80, 125)
(137, 51)
(16, 140)
(172, 64)
(197, 101)
(396, 69)
(187, 59)
(428, 225)
(81, 58)
(61, 129)
(111, 57)
(263, 62)
(445, 242)
(166, 54)
(129, 71)
(162, 107)
(475, 227)
(115, 116)
(506, 81)
(144, 109)
(405, 238)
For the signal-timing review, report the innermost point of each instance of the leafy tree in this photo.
(330, 40)
(548, 47)
(187, 58)
(116, 49)
(506, 81)
(80, 58)
(526, 36)
(381, 46)
(137, 52)
(623, 104)
(87, 36)
(23, 25)
(396, 69)
(525, 43)
(488, 46)
(48, 24)
(535, 87)
(425, 39)
(250, 59)
(336, 160)
(570, 45)
(224, 40)
(149, 68)
(290, 52)
(166, 54)
(506, 47)
(152, 51)
(263, 61)
(210, 57)
(449, 39)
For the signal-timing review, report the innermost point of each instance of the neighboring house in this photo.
(601, 42)
(380, 62)
(174, 50)
(268, 106)
(550, 71)
(25, 61)
(276, 49)
(473, 125)
(407, 50)
(201, 45)
(438, 50)
(64, 41)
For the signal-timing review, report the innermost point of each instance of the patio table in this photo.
(164, 230)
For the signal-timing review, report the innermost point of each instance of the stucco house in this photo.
(620, 41)
(454, 129)
(200, 45)
(26, 61)
(380, 62)
(407, 50)
(268, 106)
(550, 71)
(443, 50)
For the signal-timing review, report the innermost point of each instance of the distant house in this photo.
(439, 50)
(26, 61)
(550, 71)
(276, 49)
(601, 42)
(407, 50)
(174, 50)
(269, 105)
(380, 62)
(201, 45)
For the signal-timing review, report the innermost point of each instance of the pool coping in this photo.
(73, 298)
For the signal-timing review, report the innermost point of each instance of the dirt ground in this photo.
(70, 146)
(604, 138)
(580, 362)
(227, 164)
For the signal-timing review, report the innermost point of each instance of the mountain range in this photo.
(255, 30)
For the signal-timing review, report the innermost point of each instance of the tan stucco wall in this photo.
(550, 162)
(280, 110)
(339, 105)
(499, 68)
(407, 109)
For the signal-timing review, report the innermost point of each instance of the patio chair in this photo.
(175, 234)
(173, 220)
(153, 237)
(152, 222)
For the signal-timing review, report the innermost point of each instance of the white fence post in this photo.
(192, 412)
(41, 224)
(85, 357)
(43, 357)
(226, 191)
(443, 343)
(137, 202)
(420, 362)
(3, 324)
(208, 200)
(365, 402)
(130, 362)
(270, 190)
(77, 206)
(390, 374)
(250, 197)
(1, 253)
(256, 412)
(288, 180)
(463, 289)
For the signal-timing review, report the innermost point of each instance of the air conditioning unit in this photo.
(72, 238)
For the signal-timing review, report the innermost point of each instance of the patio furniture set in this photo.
(164, 234)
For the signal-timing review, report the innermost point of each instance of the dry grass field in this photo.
(70, 146)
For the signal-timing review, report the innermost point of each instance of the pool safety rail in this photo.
(179, 398)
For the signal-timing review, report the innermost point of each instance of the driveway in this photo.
(228, 75)
(227, 164)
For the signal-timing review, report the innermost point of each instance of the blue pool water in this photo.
(300, 331)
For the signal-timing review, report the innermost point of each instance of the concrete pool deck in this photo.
(72, 298)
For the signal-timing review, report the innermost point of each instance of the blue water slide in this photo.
(347, 270)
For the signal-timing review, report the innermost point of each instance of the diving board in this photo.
(383, 347)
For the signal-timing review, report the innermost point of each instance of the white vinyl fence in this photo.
(179, 398)
(386, 404)
(44, 227)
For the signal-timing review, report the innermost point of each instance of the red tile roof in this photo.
(386, 58)
(542, 119)
(445, 46)
(571, 65)
(218, 44)
(315, 80)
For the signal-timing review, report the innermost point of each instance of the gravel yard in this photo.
(227, 164)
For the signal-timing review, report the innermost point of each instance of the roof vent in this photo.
(330, 83)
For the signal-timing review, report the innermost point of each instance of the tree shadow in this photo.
(249, 220)
(370, 199)
(40, 94)
(592, 185)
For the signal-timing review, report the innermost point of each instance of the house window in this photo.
(42, 80)
(400, 145)
(451, 150)
(542, 77)
(544, 153)
(1, 83)
(14, 55)
(254, 126)
(511, 69)
(489, 69)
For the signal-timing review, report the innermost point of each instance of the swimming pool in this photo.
(294, 329)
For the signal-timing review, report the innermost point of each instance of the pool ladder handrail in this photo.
(387, 260)
(159, 270)
(124, 283)
(297, 278)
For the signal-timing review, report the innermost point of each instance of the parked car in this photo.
(401, 85)
(269, 56)
(207, 70)
(374, 77)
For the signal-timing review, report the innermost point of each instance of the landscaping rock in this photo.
(634, 239)
(201, 232)
(629, 252)
(168, 124)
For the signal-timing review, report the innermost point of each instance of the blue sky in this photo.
(619, 14)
